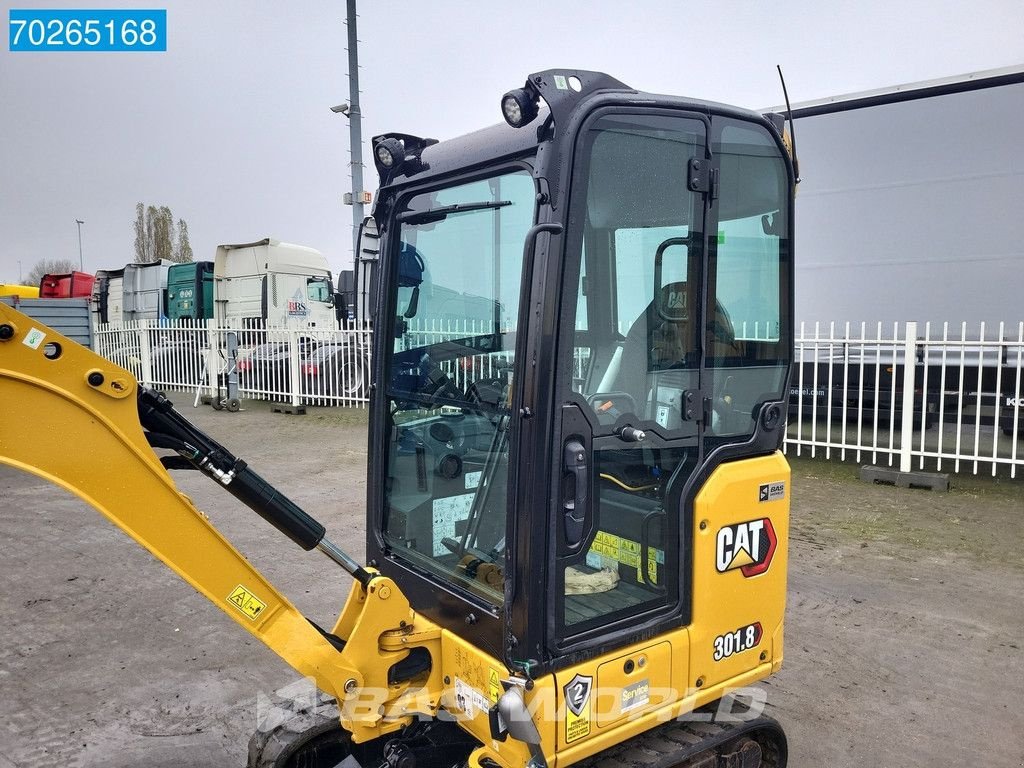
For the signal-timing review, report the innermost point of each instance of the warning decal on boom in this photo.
(245, 601)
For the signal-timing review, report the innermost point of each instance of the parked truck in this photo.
(907, 211)
(108, 297)
(268, 283)
(357, 297)
(190, 291)
(131, 293)
(70, 285)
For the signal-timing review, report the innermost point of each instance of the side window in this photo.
(747, 329)
(318, 289)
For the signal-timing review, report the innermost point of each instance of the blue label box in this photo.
(78, 30)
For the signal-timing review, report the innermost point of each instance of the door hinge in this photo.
(701, 177)
(692, 405)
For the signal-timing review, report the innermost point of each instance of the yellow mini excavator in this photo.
(577, 511)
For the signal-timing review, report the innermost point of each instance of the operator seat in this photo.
(655, 343)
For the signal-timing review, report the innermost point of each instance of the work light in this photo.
(390, 154)
(519, 107)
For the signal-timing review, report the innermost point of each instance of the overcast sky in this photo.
(231, 129)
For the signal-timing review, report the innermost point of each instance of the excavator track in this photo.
(755, 743)
(307, 735)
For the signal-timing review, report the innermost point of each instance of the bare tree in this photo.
(157, 237)
(143, 244)
(49, 267)
(183, 248)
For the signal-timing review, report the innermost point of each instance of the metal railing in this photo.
(916, 397)
(329, 366)
(910, 396)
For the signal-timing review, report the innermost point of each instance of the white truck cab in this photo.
(272, 284)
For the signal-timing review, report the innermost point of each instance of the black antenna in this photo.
(792, 130)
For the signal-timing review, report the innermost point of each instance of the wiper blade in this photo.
(440, 214)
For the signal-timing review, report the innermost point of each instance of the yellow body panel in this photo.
(723, 602)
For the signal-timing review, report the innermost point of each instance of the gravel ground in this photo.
(904, 631)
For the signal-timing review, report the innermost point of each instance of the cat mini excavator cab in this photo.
(577, 507)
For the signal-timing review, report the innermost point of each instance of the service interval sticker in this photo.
(34, 338)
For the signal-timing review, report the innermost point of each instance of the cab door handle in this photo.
(575, 491)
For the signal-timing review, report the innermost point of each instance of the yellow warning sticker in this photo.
(494, 686)
(244, 600)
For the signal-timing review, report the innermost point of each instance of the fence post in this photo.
(907, 411)
(212, 358)
(145, 353)
(294, 374)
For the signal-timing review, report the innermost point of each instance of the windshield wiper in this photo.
(433, 215)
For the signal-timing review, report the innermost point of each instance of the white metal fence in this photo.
(915, 397)
(297, 366)
(910, 396)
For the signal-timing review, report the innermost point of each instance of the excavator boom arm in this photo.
(50, 387)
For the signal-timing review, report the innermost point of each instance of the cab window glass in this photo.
(458, 263)
(318, 289)
(635, 351)
(747, 340)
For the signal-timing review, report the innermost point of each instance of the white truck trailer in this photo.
(911, 208)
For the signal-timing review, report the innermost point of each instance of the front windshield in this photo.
(456, 283)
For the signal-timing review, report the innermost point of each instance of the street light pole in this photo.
(81, 261)
(355, 129)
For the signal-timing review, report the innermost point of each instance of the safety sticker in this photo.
(560, 83)
(472, 480)
(494, 686)
(609, 550)
(244, 600)
(577, 707)
(34, 338)
(448, 512)
(469, 699)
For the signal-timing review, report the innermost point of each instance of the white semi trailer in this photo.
(911, 208)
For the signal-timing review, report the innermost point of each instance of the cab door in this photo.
(631, 418)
